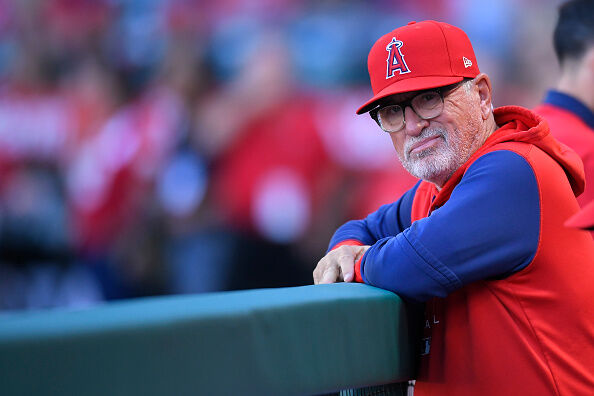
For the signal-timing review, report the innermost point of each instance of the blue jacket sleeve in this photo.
(489, 228)
(388, 220)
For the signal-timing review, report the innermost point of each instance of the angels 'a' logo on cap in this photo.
(395, 59)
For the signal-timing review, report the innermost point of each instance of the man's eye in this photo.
(394, 109)
(427, 100)
(429, 96)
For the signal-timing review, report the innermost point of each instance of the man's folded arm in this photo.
(489, 228)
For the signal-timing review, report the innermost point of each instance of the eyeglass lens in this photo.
(427, 105)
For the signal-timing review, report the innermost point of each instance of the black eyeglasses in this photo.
(427, 105)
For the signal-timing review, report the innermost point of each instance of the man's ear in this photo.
(483, 84)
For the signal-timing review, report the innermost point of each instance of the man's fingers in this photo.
(321, 268)
(330, 275)
(346, 262)
(338, 265)
(348, 277)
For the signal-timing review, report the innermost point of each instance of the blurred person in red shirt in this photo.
(270, 172)
(569, 109)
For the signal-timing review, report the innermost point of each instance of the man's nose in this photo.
(414, 124)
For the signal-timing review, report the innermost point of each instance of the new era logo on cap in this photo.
(418, 56)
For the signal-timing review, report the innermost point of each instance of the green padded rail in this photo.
(302, 340)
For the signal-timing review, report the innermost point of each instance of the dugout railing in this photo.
(295, 341)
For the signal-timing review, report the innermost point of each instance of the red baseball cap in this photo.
(420, 55)
(583, 219)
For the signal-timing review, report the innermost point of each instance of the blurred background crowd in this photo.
(153, 147)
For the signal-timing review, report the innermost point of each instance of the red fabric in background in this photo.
(286, 137)
(377, 188)
(569, 129)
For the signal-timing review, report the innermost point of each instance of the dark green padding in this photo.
(302, 340)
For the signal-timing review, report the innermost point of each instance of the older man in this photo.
(508, 293)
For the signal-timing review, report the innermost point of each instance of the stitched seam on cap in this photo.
(447, 47)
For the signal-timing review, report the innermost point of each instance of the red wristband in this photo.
(358, 277)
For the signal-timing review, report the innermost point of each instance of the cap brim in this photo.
(408, 85)
(583, 219)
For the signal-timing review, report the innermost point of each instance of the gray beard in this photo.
(433, 164)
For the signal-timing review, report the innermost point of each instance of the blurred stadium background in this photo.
(184, 146)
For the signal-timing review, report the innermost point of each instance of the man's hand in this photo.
(339, 264)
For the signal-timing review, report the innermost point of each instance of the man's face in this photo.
(434, 149)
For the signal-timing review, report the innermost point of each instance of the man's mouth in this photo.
(424, 144)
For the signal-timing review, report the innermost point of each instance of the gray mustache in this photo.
(425, 133)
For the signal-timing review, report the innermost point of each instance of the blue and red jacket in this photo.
(508, 290)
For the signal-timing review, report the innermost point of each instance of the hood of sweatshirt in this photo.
(517, 124)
